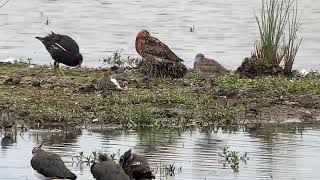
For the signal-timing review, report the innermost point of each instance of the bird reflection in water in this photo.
(7, 140)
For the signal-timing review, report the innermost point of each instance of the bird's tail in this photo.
(40, 38)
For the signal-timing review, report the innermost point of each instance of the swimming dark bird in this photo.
(135, 166)
(50, 165)
(62, 49)
(148, 46)
(107, 170)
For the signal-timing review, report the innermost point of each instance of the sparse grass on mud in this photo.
(147, 102)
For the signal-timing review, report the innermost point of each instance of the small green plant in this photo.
(93, 157)
(278, 25)
(167, 170)
(116, 59)
(233, 158)
(81, 158)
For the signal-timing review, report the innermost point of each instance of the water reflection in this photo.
(273, 153)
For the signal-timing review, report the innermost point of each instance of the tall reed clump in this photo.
(278, 25)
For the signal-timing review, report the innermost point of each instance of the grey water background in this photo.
(272, 155)
(225, 30)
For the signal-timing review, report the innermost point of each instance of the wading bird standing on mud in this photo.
(7, 123)
(107, 170)
(158, 59)
(147, 46)
(50, 165)
(208, 67)
(135, 166)
(62, 49)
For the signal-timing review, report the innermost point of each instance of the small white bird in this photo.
(303, 72)
(108, 82)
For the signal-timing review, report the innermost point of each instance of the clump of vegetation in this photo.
(233, 158)
(278, 24)
(93, 157)
(116, 59)
(167, 169)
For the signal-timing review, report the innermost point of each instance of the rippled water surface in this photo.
(225, 30)
(271, 155)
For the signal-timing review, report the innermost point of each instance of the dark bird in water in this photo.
(50, 165)
(208, 67)
(107, 170)
(62, 49)
(148, 46)
(135, 166)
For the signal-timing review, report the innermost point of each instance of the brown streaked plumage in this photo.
(107, 170)
(50, 165)
(205, 66)
(135, 166)
(147, 45)
(7, 123)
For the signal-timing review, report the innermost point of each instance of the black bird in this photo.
(135, 166)
(107, 170)
(62, 49)
(50, 165)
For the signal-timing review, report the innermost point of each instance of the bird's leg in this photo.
(56, 67)
(61, 71)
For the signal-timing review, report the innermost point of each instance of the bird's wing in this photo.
(69, 44)
(97, 171)
(209, 65)
(50, 165)
(140, 164)
(57, 42)
(155, 47)
(108, 170)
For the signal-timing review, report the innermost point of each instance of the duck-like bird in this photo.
(207, 67)
(62, 49)
(135, 166)
(147, 46)
(107, 170)
(50, 165)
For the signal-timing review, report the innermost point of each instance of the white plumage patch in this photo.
(61, 47)
(136, 163)
(115, 82)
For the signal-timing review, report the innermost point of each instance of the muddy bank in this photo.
(36, 97)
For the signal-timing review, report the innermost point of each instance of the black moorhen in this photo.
(50, 165)
(107, 170)
(135, 166)
(62, 49)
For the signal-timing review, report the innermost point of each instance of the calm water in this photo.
(272, 155)
(225, 30)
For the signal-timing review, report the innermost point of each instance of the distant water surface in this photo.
(224, 30)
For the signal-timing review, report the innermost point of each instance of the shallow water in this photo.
(272, 155)
(224, 30)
